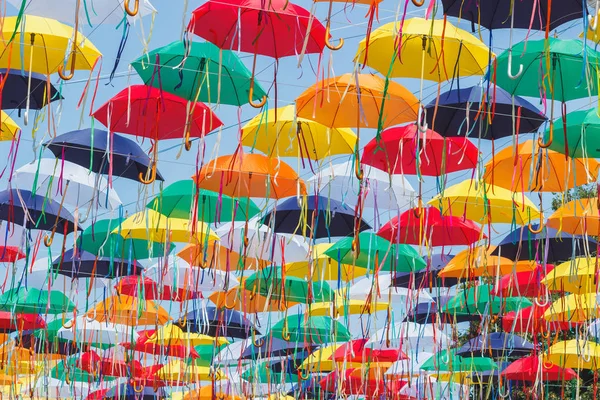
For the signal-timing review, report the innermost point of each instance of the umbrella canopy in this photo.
(215, 322)
(173, 335)
(431, 313)
(528, 283)
(577, 217)
(183, 199)
(32, 211)
(358, 351)
(125, 391)
(529, 369)
(527, 167)
(317, 217)
(279, 133)
(8, 128)
(410, 337)
(40, 44)
(531, 320)
(451, 361)
(575, 276)
(274, 347)
(379, 189)
(396, 151)
(485, 203)
(83, 330)
(89, 148)
(555, 76)
(146, 111)
(214, 255)
(425, 40)
(428, 277)
(250, 175)
(11, 322)
(432, 228)
(376, 253)
(249, 302)
(488, 111)
(35, 301)
(495, 14)
(321, 267)
(198, 72)
(16, 88)
(580, 138)
(357, 101)
(576, 354)
(574, 308)
(9, 254)
(148, 289)
(81, 264)
(128, 310)
(549, 245)
(497, 345)
(141, 345)
(481, 300)
(78, 185)
(305, 329)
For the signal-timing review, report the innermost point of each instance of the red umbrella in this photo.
(142, 346)
(526, 284)
(531, 320)
(355, 351)
(414, 225)
(92, 362)
(10, 322)
(526, 370)
(355, 382)
(10, 254)
(145, 287)
(397, 149)
(274, 28)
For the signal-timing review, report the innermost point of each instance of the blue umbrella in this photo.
(521, 244)
(42, 213)
(274, 347)
(496, 14)
(427, 276)
(216, 322)
(331, 218)
(16, 88)
(88, 148)
(497, 345)
(86, 265)
(428, 313)
(495, 121)
(127, 392)
(488, 377)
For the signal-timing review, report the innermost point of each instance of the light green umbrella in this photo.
(449, 361)
(479, 299)
(178, 199)
(318, 330)
(208, 74)
(583, 134)
(35, 301)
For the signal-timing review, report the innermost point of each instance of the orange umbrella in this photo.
(244, 300)
(578, 217)
(478, 261)
(335, 102)
(522, 170)
(128, 310)
(219, 257)
(250, 175)
(206, 393)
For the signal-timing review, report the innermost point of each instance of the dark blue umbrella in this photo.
(521, 245)
(86, 265)
(488, 377)
(310, 389)
(216, 322)
(330, 217)
(274, 347)
(127, 392)
(427, 276)
(42, 213)
(87, 147)
(16, 88)
(450, 119)
(497, 345)
(496, 14)
(428, 313)
(290, 364)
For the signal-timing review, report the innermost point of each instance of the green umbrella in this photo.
(268, 281)
(394, 257)
(35, 301)
(177, 199)
(76, 374)
(449, 361)
(583, 134)
(479, 299)
(318, 330)
(205, 65)
(573, 77)
(207, 352)
(98, 239)
(264, 373)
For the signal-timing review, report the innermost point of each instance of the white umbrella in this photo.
(411, 337)
(339, 182)
(410, 366)
(98, 11)
(361, 289)
(263, 243)
(55, 179)
(56, 389)
(232, 353)
(40, 276)
(84, 330)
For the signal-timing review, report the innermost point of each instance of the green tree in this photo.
(576, 193)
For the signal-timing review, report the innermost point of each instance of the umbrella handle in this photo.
(136, 8)
(329, 45)
(152, 177)
(550, 138)
(263, 101)
(188, 142)
(69, 326)
(258, 343)
(509, 68)
(49, 239)
(135, 387)
(284, 331)
(304, 377)
(540, 228)
(358, 171)
(73, 52)
(593, 20)
(418, 3)
(418, 211)
(229, 306)
(545, 303)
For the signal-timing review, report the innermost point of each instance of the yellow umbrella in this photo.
(479, 261)
(575, 276)
(128, 310)
(576, 354)
(345, 307)
(574, 308)
(578, 217)
(279, 133)
(207, 392)
(323, 267)
(44, 44)
(155, 227)
(173, 335)
(8, 129)
(178, 371)
(485, 203)
(530, 168)
(321, 360)
(445, 51)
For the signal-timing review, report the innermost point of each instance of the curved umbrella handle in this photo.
(49, 239)
(229, 306)
(73, 52)
(188, 142)
(593, 19)
(136, 8)
(358, 171)
(263, 101)
(284, 331)
(550, 138)
(509, 71)
(546, 300)
(304, 377)
(69, 325)
(540, 228)
(136, 388)
(418, 211)
(328, 44)
(418, 3)
(258, 343)
(152, 177)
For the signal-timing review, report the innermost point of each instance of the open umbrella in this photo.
(577, 217)
(575, 354)
(128, 310)
(91, 148)
(81, 264)
(317, 217)
(148, 289)
(529, 369)
(16, 88)
(410, 337)
(321, 267)
(83, 330)
(213, 321)
(35, 301)
(527, 283)
(9, 254)
(574, 308)
(8, 128)
(497, 345)
(428, 277)
(305, 329)
(198, 72)
(246, 301)
(531, 320)
(577, 134)
(578, 275)
(481, 300)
